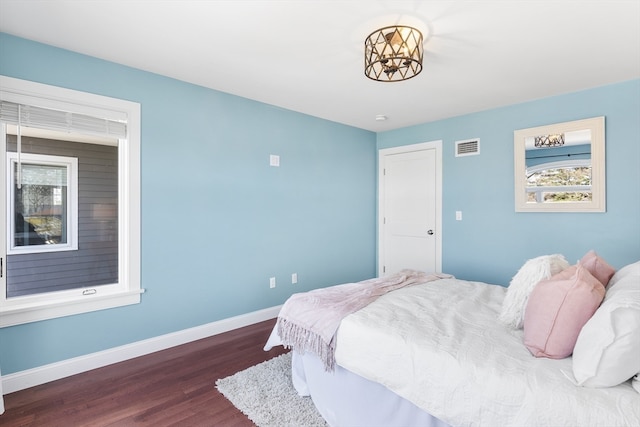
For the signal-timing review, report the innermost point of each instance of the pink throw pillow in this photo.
(598, 267)
(557, 310)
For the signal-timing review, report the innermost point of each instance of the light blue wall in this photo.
(493, 241)
(217, 220)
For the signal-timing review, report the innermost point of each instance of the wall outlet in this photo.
(272, 282)
(294, 278)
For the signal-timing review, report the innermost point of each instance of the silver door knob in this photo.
(430, 232)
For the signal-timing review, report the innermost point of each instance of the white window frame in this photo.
(31, 308)
(576, 163)
(71, 164)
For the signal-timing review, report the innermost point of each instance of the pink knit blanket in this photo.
(309, 321)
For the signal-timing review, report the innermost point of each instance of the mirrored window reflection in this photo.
(558, 167)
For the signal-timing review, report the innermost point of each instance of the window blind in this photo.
(45, 118)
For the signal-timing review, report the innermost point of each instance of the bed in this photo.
(439, 352)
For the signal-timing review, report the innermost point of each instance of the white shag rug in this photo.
(265, 394)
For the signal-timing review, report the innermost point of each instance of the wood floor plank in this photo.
(173, 387)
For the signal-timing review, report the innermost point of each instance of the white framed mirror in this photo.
(560, 167)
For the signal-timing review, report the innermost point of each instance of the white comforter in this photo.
(440, 346)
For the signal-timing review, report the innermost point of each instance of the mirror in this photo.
(560, 167)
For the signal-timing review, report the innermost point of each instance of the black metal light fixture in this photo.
(548, 141)
(393, 54)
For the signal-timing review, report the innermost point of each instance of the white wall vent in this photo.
(468, 147)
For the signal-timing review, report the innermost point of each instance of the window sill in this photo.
(16, 314)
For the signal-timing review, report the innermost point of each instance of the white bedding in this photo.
(345, 399)
(440, 346)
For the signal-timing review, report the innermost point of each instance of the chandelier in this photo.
(393, 54)
(546, 141)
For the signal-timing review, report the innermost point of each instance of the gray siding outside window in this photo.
(96, 260)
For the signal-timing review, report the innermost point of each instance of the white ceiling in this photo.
(307, 55)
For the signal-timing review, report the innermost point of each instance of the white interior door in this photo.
(410, 208)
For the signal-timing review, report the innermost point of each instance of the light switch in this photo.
(274, 160)
(458, 215)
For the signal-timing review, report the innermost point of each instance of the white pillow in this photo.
(533, 271)
(632, 270)
(607, 352)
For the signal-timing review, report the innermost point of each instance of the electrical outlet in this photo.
(294, 278)
(272, 282)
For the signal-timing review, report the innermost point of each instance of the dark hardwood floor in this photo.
(173, 387)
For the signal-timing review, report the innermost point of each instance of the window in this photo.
(564, 181)
(42, 200)
(70, 202)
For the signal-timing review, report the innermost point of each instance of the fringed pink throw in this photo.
(309, 321)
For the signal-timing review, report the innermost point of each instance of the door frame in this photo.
(431, 145)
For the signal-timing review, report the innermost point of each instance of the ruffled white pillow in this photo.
(532, 272)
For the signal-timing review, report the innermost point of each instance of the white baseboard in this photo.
(55, 371)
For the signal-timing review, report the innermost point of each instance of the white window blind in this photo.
(46, 118)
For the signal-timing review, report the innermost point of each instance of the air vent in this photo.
(468, 147)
